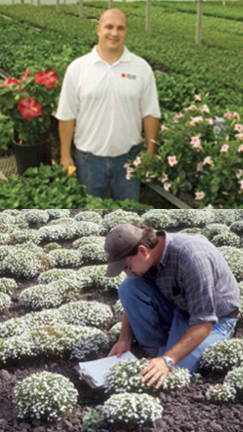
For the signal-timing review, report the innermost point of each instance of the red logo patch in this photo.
(123, 75)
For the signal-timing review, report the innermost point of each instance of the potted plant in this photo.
(199, 154)
(26, 104)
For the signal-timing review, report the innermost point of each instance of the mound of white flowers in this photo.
(132, 409)
(89, 216)
(98, 278)
(5, 301)
(234, 378)
(234, 258)
(117, 217)
(45, 396)
(91, 341)
(157, 218)
(87, 313)
(220, 393)
(223, 356)
(214, 229)
(7, 285)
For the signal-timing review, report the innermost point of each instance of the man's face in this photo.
(112, 31)
(140, 263)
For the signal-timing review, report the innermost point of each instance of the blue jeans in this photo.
(99, 173)
(158, 325)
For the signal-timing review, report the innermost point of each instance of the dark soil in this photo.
(185, 410)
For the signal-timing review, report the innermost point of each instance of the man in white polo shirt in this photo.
(108, 97)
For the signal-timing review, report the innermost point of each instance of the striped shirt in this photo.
(194, 276)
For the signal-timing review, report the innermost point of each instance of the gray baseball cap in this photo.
(120, 241)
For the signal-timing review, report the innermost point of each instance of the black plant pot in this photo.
(32, 155)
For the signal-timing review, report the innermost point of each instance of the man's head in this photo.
(112, 30)
(128, 248)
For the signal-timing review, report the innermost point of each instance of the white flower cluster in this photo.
(68, 229)
(65, 257)
(51, 246)
(97, 274)
(17, 347)
(132, 409)
(227, 238)
(27, 260)
(223, 356)
(118, 308)
(58, 213)
(89, 216)
(117, 217)
(237, 227)
(213, 229)
(220, 393)
(35, 216)
(90, 240)
(5, 301)
(25, 235)
(17, 326)
(5, 238)
(7, 285)
(234, 258)
(93, 252)
(226, 216)
(91, 341)
(177, 378)
(56, 232)
(234, 378)
(124, 377)
(115, 330)
(191, 218)
(4, 251)
(56, 274)
(157, 218)
(46, 396)
(52, 294)
(87, 313)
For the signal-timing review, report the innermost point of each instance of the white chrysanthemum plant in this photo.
(91, 342)
(45, 396)
(237, 227)
(55, 274)
(227, 238)
(214, 229)
(234, 258)
(91, 313)
(157, 218)
(97, 274)
(5, 301)
(7, 285)
(89, 240)
(58, 213)
(118, 309)
(93, 253)
(222, 356)
(189, 218)
(124, 377)
(25, 260)
(220, 393)
(132, 410)
(117, 217)
(234, 378)
(115, 330)
(89, 216)
(35, 216)
(65, 258)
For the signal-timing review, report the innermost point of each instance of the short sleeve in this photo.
(68, 101)
(150, 103)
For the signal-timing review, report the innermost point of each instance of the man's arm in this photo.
(157, 369)
(125, 340)
(151, 127)
(66, 130)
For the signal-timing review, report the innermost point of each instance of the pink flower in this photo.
(172, 160)
(26, 74)
(224, 148)
(167, 186)
(29, 108)
(47, 78)
(195, 142)
(240, 149)
(195, 120)
(163, 128)
(191, 107)
(9, 82)
(197, 97)
(164, 177)
(129, 173)
(210, 121)
(239, 136)
(209, 207)
(200, 167)
(228, 115)
(208, 161)
(239, 174)
(179, 115)
(238, 128)
(236, 115)
(199, 195)
(137, 161)
(205, 109)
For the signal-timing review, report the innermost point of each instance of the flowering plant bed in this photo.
(39, 350)
(197, 153)
(28, 103)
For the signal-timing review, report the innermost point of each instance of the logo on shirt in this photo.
(129, 76)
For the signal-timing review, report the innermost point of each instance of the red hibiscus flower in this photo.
(9, 82)
(29, 108)
(26, 74)
(47, 78)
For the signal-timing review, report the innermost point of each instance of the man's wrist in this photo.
(169, 361)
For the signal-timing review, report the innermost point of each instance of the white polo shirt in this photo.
(108, 102)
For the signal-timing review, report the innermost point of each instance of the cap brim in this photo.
(115, 268)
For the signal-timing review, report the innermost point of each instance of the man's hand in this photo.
(155, 372)
(69, 165)
(119, 348)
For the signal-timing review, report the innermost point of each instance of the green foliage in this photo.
(92, 421)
